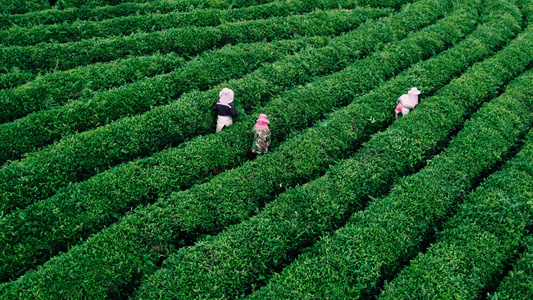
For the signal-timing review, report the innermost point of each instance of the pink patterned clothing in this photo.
(261, 140)
(403, 106)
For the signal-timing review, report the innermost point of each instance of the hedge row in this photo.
(69, 15)
(14, 78)
(75, 159)
(21, 7)
(195, 158)
(518, 284)
(195, 153)
(527, 7)
(180, 4)
(54, 89)
(43, 127)
(187, 41)
(377, 242)
(250, 13)
(218, 4)
(475, 245)
(154, 180)
(79, 30)
(243, 257)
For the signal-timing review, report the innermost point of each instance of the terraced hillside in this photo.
(114, 184)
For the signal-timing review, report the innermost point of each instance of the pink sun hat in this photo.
(413, 95)
(414, 91)
(262, 122)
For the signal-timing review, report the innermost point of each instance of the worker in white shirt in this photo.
(406, 103)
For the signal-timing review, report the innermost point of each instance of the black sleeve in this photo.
(233, 111)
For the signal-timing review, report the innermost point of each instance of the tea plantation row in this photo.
(187, 41)
(76, 159)
(79, 30)
(55, 201)
(295, 104)
(244, 255)
(136, 198)
(246, 10)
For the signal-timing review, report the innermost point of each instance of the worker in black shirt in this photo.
(225, 109)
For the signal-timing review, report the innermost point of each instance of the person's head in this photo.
(413, 95)
(262, 122)
(226, 96)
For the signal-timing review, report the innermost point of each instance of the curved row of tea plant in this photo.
(69, 15)
(482, 237)
(376, 242)
(14, 78)
(180, 4)
(79, 30)
(424, 35)
(519, 282)
(20, 7)
(75, 159)
(55, 89)
(294, 105)
(185, 41)
(245, 255)
(44, 127)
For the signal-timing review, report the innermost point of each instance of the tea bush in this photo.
(519, 282)
(475, 245)
(54, 89)
(186, 41)
(376, 243)
(126, 25)
(129, 138)
(46, 126)
(231, 176)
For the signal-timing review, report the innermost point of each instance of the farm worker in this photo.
(406, 103)
(225, 109)
(261, 136)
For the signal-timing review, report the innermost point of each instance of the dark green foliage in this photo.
(69, 15)
(54, 89)
(519, 282)
(234, 179)
(137, 10)
(267, 241)
(187, 41)
(183, 12)
(266, 211)
(22, 6)
(15, 78)
(75, 158)
(476, 243)
(206, 70)
(182, 4)
(79, 30)
(376, 242)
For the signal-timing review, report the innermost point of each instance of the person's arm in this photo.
(267, 139)
(233, 111)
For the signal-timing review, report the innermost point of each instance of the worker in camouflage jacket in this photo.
(261, 136)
